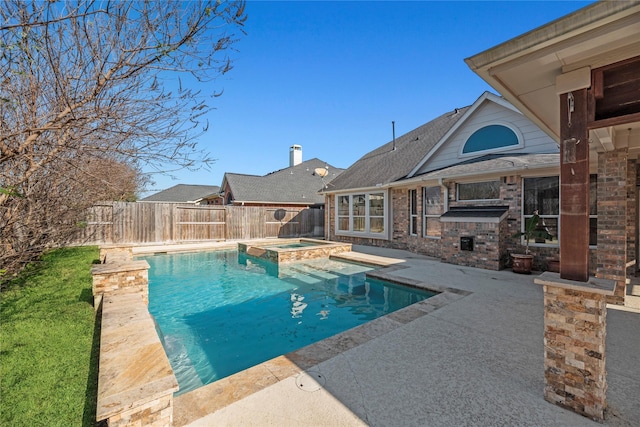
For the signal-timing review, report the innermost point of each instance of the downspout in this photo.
(327, 225)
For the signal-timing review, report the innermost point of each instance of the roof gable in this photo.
(493, 113)
(487, 96)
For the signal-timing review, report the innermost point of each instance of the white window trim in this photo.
(366, 233)
(476, 128)
(413, 216)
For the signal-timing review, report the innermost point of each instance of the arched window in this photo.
(491, 137)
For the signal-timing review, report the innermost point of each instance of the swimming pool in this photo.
(221, 312)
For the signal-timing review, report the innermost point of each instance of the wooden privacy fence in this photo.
(120, 222)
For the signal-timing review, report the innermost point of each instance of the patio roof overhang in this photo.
(531, 70)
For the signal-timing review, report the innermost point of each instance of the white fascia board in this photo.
(358, 190)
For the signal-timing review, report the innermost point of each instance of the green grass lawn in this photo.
(49, 343)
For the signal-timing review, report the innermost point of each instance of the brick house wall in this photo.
(616, 222)
(489, 252)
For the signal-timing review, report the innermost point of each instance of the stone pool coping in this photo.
(274, 251)
(210, 398)
(135, 376)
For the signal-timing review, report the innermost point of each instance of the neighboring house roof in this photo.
(386, 164)
(183, 193)
(297, 184)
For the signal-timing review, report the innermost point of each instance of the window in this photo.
(488, 190)
(543, 194)
(491, 138)
(376, 213)
(432, 210)
(362, 213)
(343, 213)
(413, 212)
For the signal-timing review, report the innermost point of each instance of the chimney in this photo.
(295, 155)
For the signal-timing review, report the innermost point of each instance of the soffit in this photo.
(524, 69)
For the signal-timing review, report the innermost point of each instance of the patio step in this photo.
(632, 298)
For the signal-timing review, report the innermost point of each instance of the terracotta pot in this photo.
(522, 263)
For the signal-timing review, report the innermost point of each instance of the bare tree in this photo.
(90, 91)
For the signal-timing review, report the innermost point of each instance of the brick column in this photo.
(574, 343)
(612, 219)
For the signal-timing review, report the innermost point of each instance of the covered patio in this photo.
(578, 78)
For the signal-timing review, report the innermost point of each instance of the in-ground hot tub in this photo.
(289, 250)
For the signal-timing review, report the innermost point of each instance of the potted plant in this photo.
(522, 263)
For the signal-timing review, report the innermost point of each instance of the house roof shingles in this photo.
(296, 184)
(385, 165)
(496, 164)
(183, 193)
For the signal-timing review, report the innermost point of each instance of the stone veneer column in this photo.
(120, 277)
(574, 343)
(612, 219)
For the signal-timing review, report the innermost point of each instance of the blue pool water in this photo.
(221, 312)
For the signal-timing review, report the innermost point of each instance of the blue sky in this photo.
(332, 76)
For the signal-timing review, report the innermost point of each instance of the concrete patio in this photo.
(475, 360)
